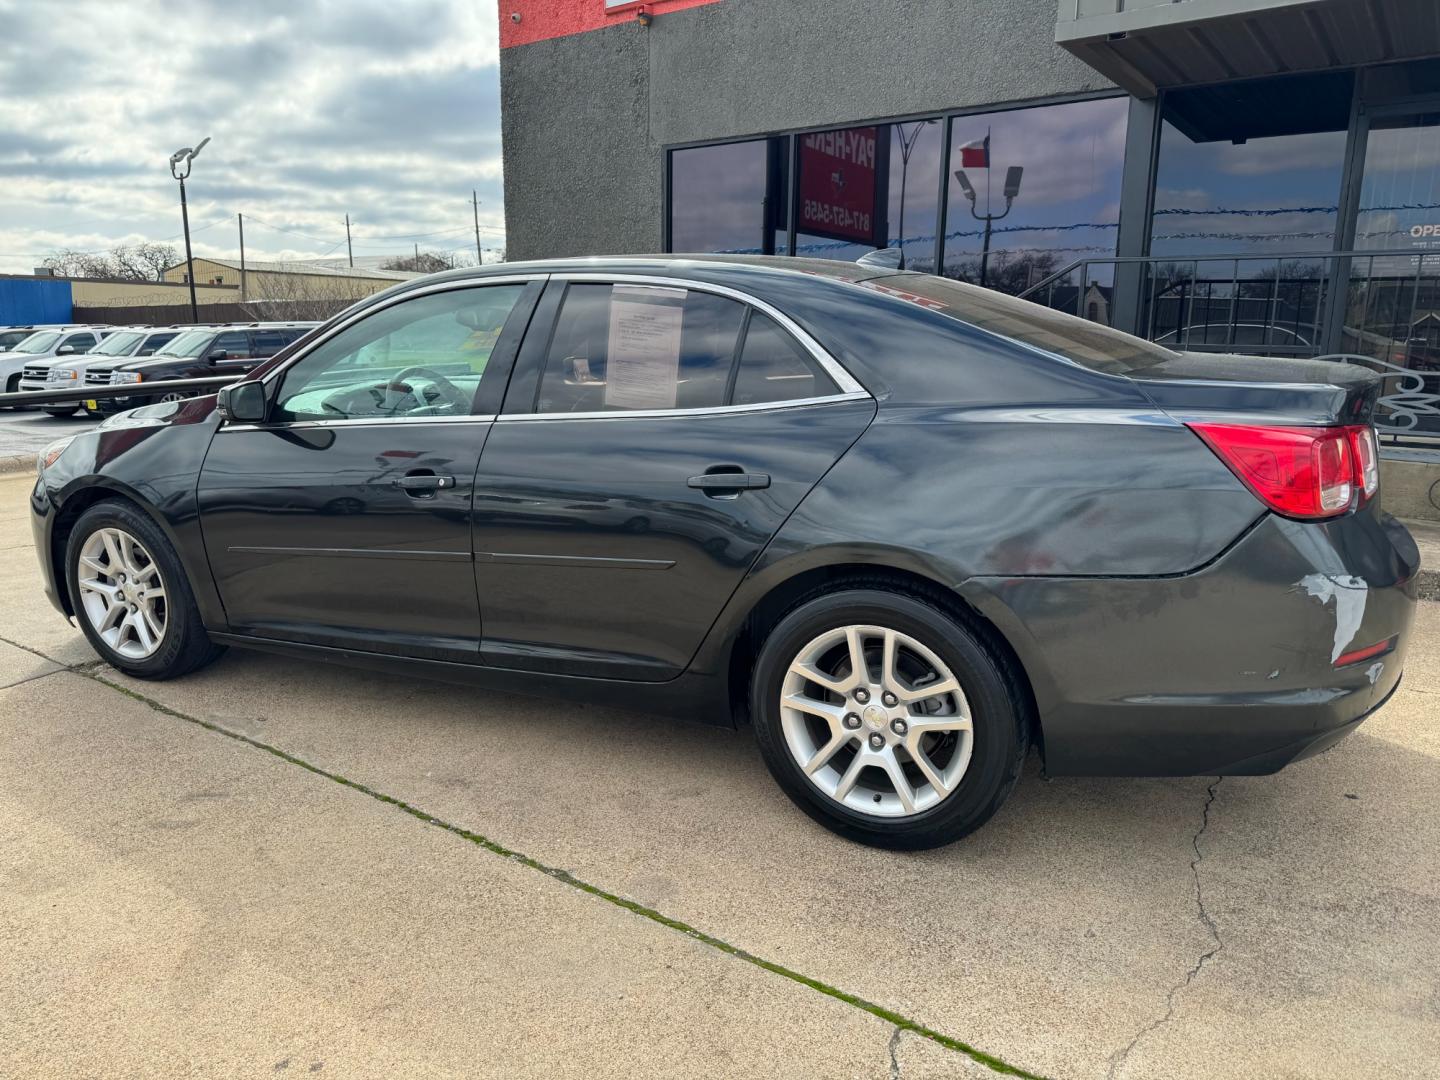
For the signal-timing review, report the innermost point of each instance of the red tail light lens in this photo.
(1367, 459)
(1296, 471)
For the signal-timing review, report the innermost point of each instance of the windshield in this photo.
(1088, 343)
(117, 345)
(10, 338)
(190, 343)
(43, 341)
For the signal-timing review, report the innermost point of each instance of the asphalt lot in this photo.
(24, 431)
(270, 868)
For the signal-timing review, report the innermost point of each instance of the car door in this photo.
(344, 518)
(654, 438)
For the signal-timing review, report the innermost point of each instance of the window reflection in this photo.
(869, 187)
(1068, 203)
(1252, 167)
(729, 198)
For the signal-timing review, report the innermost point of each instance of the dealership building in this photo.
(1226, 175)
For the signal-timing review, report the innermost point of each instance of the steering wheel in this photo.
(399, 384)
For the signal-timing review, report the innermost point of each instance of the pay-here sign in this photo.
(843, 188)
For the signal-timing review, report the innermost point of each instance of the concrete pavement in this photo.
(1269, 926)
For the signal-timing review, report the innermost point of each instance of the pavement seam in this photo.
(1205, 917)
(902, 1023)
(32, 678)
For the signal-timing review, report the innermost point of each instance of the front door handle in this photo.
(712, 482)
(422, 485)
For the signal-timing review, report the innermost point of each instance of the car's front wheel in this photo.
(886, 719)
(131, 596)
(61, 411)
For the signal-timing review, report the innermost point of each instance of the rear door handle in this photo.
(422, 484)
(729, 481)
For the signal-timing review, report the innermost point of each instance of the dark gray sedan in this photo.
(907, 528)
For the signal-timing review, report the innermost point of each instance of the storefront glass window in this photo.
(1069, 159)
(870, 187)
(729, 198)
(1251, 167)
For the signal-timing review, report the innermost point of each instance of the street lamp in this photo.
(1012, 189)
(180, 163)
(907, 147)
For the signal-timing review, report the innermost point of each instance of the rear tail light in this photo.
(1296, 471)
(1370, 652)
(1367, 460)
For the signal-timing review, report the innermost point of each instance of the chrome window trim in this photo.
(713, 410)
(850, 388)
(832, 367)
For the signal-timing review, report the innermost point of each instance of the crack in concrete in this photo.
(1209, 954)
(33, 678)
(894, 1052)
(902, 1023)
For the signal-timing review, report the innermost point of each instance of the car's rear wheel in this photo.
(62, 411)
(131, 596)
(886, 719)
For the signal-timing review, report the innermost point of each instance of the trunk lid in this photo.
(1224, 387)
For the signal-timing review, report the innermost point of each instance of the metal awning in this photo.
(1146, 45)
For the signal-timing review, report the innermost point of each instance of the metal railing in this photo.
(1380, 309)
(159, 388)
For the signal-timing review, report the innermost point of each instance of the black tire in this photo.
(58, 413)
(994, 690)
(185, 646)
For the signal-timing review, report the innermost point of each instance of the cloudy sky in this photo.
(388, 111)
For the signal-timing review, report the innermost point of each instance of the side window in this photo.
(153, 342)
(773, 367)
(235, 343)
(266, 342)
(620, 348)
(420, 357)
(81, 342)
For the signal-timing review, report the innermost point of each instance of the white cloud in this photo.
(317, 108)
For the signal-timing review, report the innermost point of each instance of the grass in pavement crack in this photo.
(902, 1023)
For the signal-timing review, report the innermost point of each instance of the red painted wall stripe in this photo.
(541, 20)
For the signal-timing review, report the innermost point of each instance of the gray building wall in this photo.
(586, 118)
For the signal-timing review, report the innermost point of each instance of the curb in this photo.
(17, 463)
(1428, 583)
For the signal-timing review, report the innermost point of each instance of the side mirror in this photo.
(217, 354)
(242, 402)
(65, 350)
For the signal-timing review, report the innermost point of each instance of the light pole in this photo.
(907, 147)
(1012, 188)
(180, 164)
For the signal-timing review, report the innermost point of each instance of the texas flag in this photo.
(976, 154)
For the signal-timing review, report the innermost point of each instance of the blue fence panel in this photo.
(34, 300)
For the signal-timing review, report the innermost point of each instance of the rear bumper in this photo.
(1226, 670)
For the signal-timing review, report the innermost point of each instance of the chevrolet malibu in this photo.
(906, 528)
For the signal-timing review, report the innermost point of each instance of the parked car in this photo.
(70, 372)
(10, 336)
(39, 348)
(907, 527)
(198, 353)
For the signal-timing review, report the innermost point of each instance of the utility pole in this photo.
(349, 251)
(417, 254)
(241, 218)
(479, 255)
(181, 163)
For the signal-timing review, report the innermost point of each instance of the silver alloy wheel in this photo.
(876, 721)
(122, 593)
(173, 395)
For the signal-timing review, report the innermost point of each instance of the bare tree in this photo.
(287, 296)
(424, 262)
(133, 262)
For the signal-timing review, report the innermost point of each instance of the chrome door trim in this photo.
(713, 410)
(357, 421)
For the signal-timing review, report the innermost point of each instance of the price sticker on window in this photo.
(643, 358)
